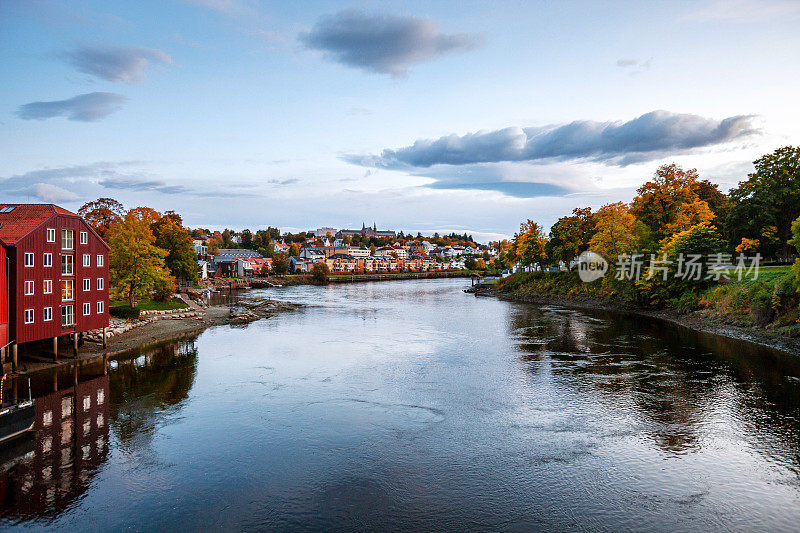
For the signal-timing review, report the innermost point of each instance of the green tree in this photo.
(320, 273)
(136, 264)
(769, 197)
(174, 238)
(570, 235)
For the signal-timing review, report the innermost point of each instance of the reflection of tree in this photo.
(147, 389)
(669, 377)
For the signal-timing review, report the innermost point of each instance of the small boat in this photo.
(16, 418)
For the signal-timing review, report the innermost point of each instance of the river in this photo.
(412, 405)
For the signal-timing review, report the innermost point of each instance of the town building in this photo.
(56, 281)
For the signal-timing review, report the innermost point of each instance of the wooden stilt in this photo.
(55, 349)
(75, 343)
(14, 356)
(104, 337)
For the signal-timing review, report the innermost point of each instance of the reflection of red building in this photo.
(70, 440)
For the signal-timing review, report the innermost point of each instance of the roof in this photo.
(239, 252)
(24, 218)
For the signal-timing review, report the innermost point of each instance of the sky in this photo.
(416, 116)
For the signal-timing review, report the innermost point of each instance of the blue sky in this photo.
(421, 116)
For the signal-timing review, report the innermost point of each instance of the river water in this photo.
(412, 405)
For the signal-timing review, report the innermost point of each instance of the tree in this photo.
(280, 264)
(469, 263)
(659, 200)
(702, 240)
(530, 244)
(616, 231)
(173, 238)
(145, 214)
(691, 214)
(101, 214)
(320, 273)
(294, 251)
(570, 235)
(136, 264)
(769, 197)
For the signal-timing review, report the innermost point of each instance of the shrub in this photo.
(123, 311)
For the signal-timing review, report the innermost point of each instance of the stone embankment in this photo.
(117, 326)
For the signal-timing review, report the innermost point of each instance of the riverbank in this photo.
(700, 320)
(154, 332)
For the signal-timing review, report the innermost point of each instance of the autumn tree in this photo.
(691, 214)
(172, 236)
(769, 197)
(673, 191)
(320, 273)
(528, 246)
(101, 214)
(617, 231)
(136, 264)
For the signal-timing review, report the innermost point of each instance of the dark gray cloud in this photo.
(89, 107)
(650, 136)
(116, 63)
(139, 185)
(387, 44)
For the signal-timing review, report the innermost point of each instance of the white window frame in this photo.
(30, 288)
(64, 289)
(47, 286)
(29, 259)
(67, 239)
(87, 284)
(65, 315)
(101, 284)
(100, 259)
(47, 260)
(100, 308)
(87, 260)
(47, 314)
(51, 235)
(67, 259)
(28, 316)
(87, 309)
(84, 237)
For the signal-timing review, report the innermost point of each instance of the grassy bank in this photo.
(770, 302)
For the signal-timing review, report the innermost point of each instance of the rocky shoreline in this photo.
(695, 321)
(137, 334)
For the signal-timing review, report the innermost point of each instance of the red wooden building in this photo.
(56, 280)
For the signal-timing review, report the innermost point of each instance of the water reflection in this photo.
(677, 382)
(48, 469)
(53, 464)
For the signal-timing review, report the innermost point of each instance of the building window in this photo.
(87, 284)
(100, 260)
(87, 260)
(29, 316)
(66, 407)
(101, 397)
(47, 260)
(87, 402)
(68, 315)
(28, 259)
(66, 290)
(100, 306)
(28, 287)
(67, 239)
(51, 235)
(47, 314)
(84, 237)
(66, 265)
(47, 418)
(48, 286)
(87, 309)
(100, 284)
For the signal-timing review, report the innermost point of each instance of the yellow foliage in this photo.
(747, 245)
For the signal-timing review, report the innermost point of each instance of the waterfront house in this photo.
(57, 273)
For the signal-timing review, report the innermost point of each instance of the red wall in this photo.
(3, 299)
(36, 242)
